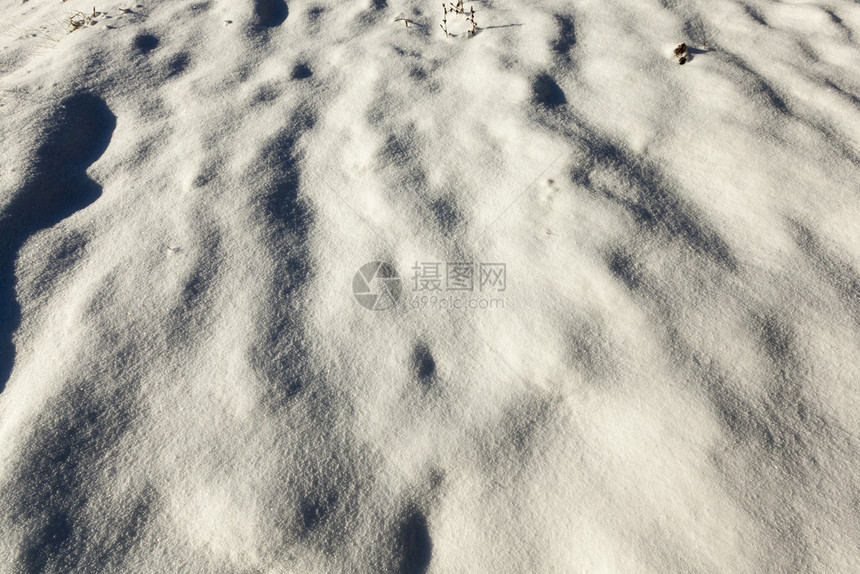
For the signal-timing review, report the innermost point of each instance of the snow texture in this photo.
(667, 383)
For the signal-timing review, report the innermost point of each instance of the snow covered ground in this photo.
(298, 287)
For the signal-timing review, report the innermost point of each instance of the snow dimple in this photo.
(623, 267)
(9, 315)
(270, 13)
(446, 213)
(301, 71)
(316, 508)
(415, 544)
(192, 312)
(43, 503)
(566, 38)
(178, 64)
(423, 364)
(650, 198)
(200, 7)
(757, 84)
(77, 135)
(546, 92)
(589, 350)
(45, 545)
(145, 43)
(753, 14)
(527, 423)
(837, 273)
(287, 219)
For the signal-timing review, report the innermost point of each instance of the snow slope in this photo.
(668, 381)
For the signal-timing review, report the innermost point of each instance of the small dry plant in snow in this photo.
(681, 54)
(458, 9)
(78, 19)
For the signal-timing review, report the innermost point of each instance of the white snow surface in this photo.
(669, 381)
